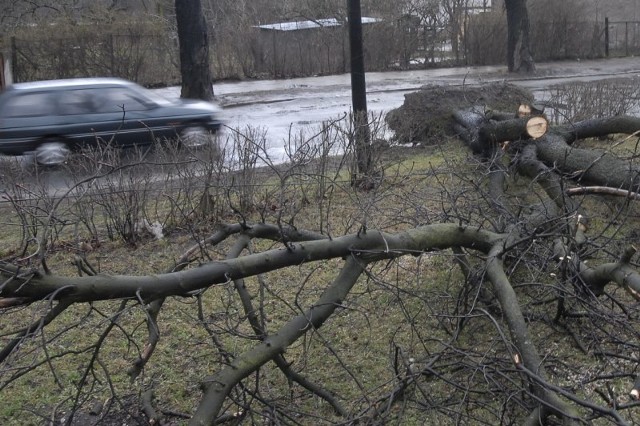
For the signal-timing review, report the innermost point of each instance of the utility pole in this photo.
(359, 93)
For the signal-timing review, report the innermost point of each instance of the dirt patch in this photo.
(425, 117)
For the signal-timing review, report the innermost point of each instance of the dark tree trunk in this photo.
(359, 91)
(519, 57)
(194, 50)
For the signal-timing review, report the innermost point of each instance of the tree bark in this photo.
(588, 166)
(193, 41)
(519, 57)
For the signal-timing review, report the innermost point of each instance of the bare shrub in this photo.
(45, 200)
(313, 166)
(153, 189)
(579, 101)
(191, 186)
(245, 149)
(327, 167)
(119, 183)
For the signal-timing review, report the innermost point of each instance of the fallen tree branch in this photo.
(528, 354)
(46, 319)
(182, 283)
(221, 384)
(603, 190)
(598, 127)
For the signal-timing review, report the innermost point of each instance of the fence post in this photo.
(606, 37)
(112, 56)
(14, 59)
(626, 38)
(275, 55)
(565, 40)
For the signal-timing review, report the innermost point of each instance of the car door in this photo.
(105, 115)
(25, 118)
(156, 120)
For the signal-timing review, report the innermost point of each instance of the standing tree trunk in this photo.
(194, 50)
(359, 94)
(519, 57)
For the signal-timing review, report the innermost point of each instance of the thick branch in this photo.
(603, 190)
(482, 134)
(223, 382)
(529, 165)
(598, 127)
(253, 230)
(261, 332)
(517, 128)
(621, 273)
(53, 313)
(587, 165)
(150, 287)
(260, 230)
(527, 351)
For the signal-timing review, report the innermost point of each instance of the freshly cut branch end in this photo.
(537, 127)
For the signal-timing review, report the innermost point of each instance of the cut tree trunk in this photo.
(483, 132)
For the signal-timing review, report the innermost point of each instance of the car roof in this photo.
(69, 83)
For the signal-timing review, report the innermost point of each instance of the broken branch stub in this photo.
(528, 110)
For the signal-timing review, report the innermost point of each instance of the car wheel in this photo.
(52, 153)
(196, 136)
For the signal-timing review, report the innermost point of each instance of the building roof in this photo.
(308, 25)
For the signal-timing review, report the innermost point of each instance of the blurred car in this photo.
(50, 119)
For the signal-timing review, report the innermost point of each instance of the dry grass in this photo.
(397, 317)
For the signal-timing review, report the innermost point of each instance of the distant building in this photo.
(311, 24)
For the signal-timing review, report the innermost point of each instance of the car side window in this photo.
(76, 102)
(29, 105)
(118, 100)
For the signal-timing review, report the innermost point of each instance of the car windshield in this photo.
(152, 96)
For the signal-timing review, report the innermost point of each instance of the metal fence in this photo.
(147, 59)
(152, 59)
(622, 38)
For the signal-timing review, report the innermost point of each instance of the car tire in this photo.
(196, 136)
(52, 152)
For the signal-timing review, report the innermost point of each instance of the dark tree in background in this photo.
(194, 50)
(519, 57)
